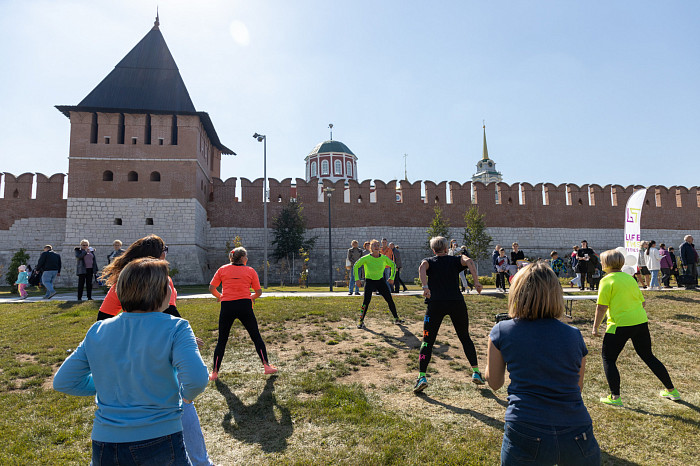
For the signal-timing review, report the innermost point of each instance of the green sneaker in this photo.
(361, 324)
(671, 395)
(478, 379)
(608, 400)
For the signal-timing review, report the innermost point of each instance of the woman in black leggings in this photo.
(439, 276)
(236, 280)
(620, 299)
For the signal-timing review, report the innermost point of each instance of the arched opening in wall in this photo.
(211, 196)
(201, 185)
(279, 198)
(2, 186)
(499, 195)
(93, 129)
(372, 194)
(155, 176)
(423, 195)
(580, 201)
(359, 199)
(34, 186)
(147, 130)
(173, 137)
(117, 221)
(510, 201)
(132, 176)
(646, 202)
(65, 188)
(697, 195)
(448, 194)
(679, 198)
(544, 196)
(591, 196)
(657, 197)
(15, 193)
(107, 175)
(149, 221)
(120, 129)
(436, 200)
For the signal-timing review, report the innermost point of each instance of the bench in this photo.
(569, 302)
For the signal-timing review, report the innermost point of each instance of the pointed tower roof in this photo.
(146, 80)
(485, 154)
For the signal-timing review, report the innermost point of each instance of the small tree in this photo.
(476, 239)
(20, 258)
(289, 228)
(440, 226)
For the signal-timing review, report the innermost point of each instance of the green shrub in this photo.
(20, 258)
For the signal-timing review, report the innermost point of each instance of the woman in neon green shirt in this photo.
(621, 301)
(374, 265)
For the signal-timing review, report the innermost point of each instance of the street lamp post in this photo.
(328, 192)
(262, 138)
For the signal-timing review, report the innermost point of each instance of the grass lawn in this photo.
(344, 395)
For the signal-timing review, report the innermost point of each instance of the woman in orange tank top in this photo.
(236, 280)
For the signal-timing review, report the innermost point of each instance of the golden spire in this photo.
(485, 155)
(156, 23)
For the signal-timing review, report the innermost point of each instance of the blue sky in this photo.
(580, 92)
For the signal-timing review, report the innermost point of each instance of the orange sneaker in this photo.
(269, 369)
(214, 375)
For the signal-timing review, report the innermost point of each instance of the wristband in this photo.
(425, 287)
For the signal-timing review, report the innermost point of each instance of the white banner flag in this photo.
(633, 218)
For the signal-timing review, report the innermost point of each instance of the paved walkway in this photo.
(99, 295)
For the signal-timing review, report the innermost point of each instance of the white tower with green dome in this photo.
(331, 160)
(486, 168)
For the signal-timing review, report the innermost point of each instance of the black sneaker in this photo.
(361, 324)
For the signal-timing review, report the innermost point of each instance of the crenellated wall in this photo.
(375, 203)
(17, 202)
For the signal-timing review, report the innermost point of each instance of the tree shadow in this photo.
(257, 423)
(488, 420)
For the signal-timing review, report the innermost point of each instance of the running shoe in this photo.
(361, 324)
(357, 293)
(420, 385)
(214, 375)
(269, 370)
(478, 379)
(670, 394)
(399, 321)
(608, 400)
(350, 294)
(52, 295)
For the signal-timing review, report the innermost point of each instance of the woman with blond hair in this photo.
(546, 420)
(621, 301)
(236, 280)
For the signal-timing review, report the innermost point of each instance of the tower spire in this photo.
(485, 154)
(331, 127)
(156, 23)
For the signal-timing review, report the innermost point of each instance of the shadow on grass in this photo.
(674, 417)
(670, 297)
(488, 420)
(606, 458)
(407, 341)
(486, 393)
(257, 423)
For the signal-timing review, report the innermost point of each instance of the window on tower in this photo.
(324, 168)
(338, 167)
(348, 169)
(133, 176)
(155, 176)
(107, 175)
(313, 169)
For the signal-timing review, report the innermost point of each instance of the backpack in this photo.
(35, 278)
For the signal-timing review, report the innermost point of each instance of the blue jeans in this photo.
(192, 435)
(654, 278)
(387, 274)
(353, 282)
(47, 279)
(536, 444)
(169, 449)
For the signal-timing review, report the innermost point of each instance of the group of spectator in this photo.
(388, 249)
(505, 266)
(653, 261)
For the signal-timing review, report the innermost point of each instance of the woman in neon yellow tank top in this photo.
(374, 265)
(621, 301)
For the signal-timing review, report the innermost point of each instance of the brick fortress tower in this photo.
(142, 160)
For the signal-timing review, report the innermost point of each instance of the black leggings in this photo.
(501, 280)
(241, 309)
(85, 280)
(437, 311)
(613, 343)
(383, 289)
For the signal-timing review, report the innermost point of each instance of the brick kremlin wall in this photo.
(540, 217)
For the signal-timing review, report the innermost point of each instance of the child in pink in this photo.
(22, 281)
